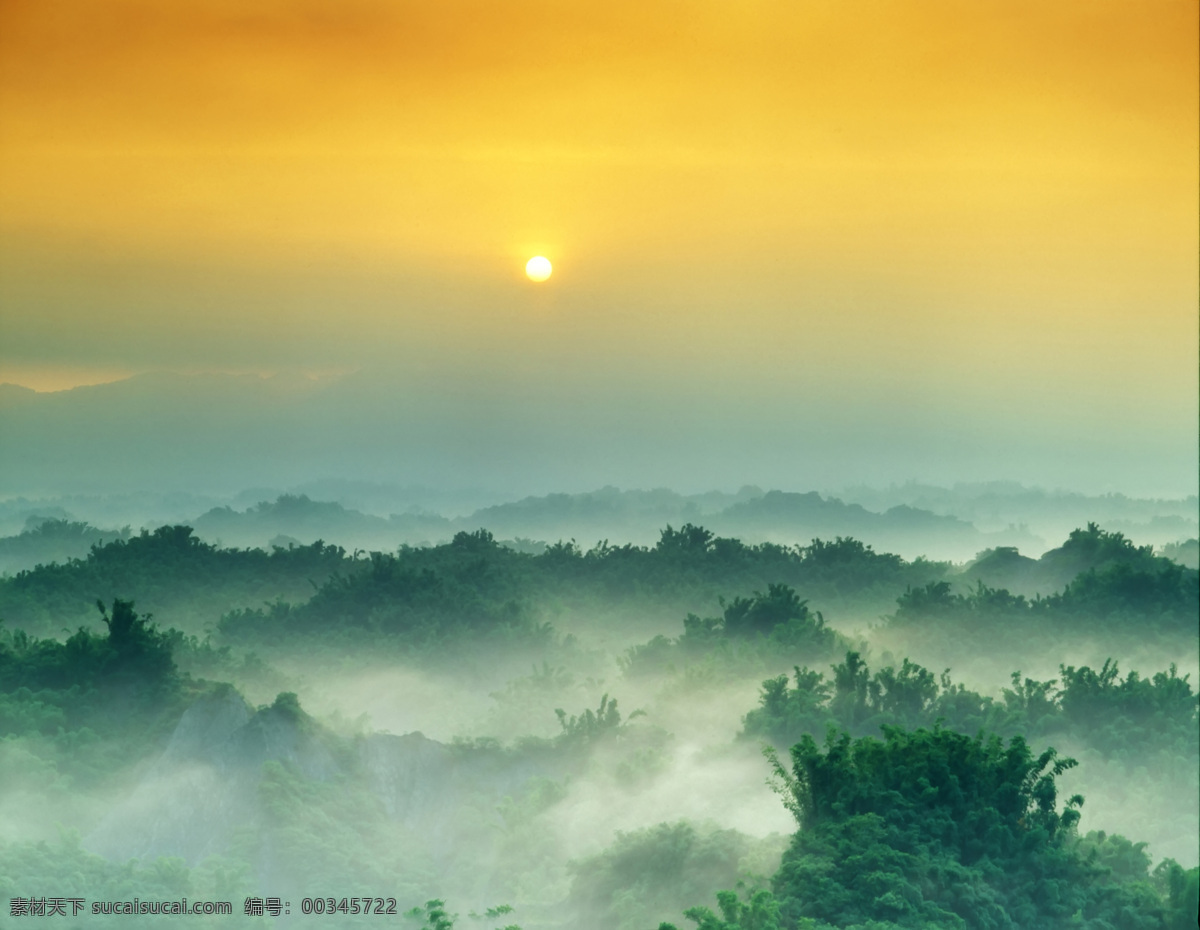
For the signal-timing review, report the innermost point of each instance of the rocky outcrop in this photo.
(410, 774)
(204, 787)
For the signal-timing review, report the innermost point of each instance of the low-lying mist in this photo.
(596, 737)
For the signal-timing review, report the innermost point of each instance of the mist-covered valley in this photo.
(619, 465)
(691, 715)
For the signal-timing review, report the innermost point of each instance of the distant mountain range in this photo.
(609, 514)
(52, 532)
(217, 434)
(613, 515)
(368, 462)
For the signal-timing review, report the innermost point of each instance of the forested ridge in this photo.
(185, 581)
(918, 801)
(173, 571)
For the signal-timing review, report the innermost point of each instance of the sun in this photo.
(538, 268)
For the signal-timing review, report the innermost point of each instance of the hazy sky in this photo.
(977, 218)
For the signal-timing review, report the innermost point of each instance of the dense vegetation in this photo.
(931, 804)
(1125, 718)
(73, 712)
(48, 540)
(474, 580)
(1108, 585)
(185, 582)
(930, 828)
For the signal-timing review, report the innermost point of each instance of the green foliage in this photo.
(764, 613)
(134, 657)
(1126, 861)
(1180, 888)
(76, 713)
(434, 916)
(688, 565)
(46, 541)
(861, 702)
(634, 752)
(686, 542)
(590, 726)
(1085, 550)
(1094, 549)
(1119, 589)
(752, 632)
(934, 828)
(471, 597)
(186, 582)
(1186, 552)
(1122, 719)
(468, 586)
(657, 871)
(1165, 591)
(520, 705)
(63, 869)
(287, 704)
(760, 912)
(1128, 718)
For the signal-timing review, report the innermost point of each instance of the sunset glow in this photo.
(960, 208)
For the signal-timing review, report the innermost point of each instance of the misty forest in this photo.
(690, 723)
(599, 465)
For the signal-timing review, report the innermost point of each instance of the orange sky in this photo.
(940, 201)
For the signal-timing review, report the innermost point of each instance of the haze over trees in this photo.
(576, 733)
(355, 570)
